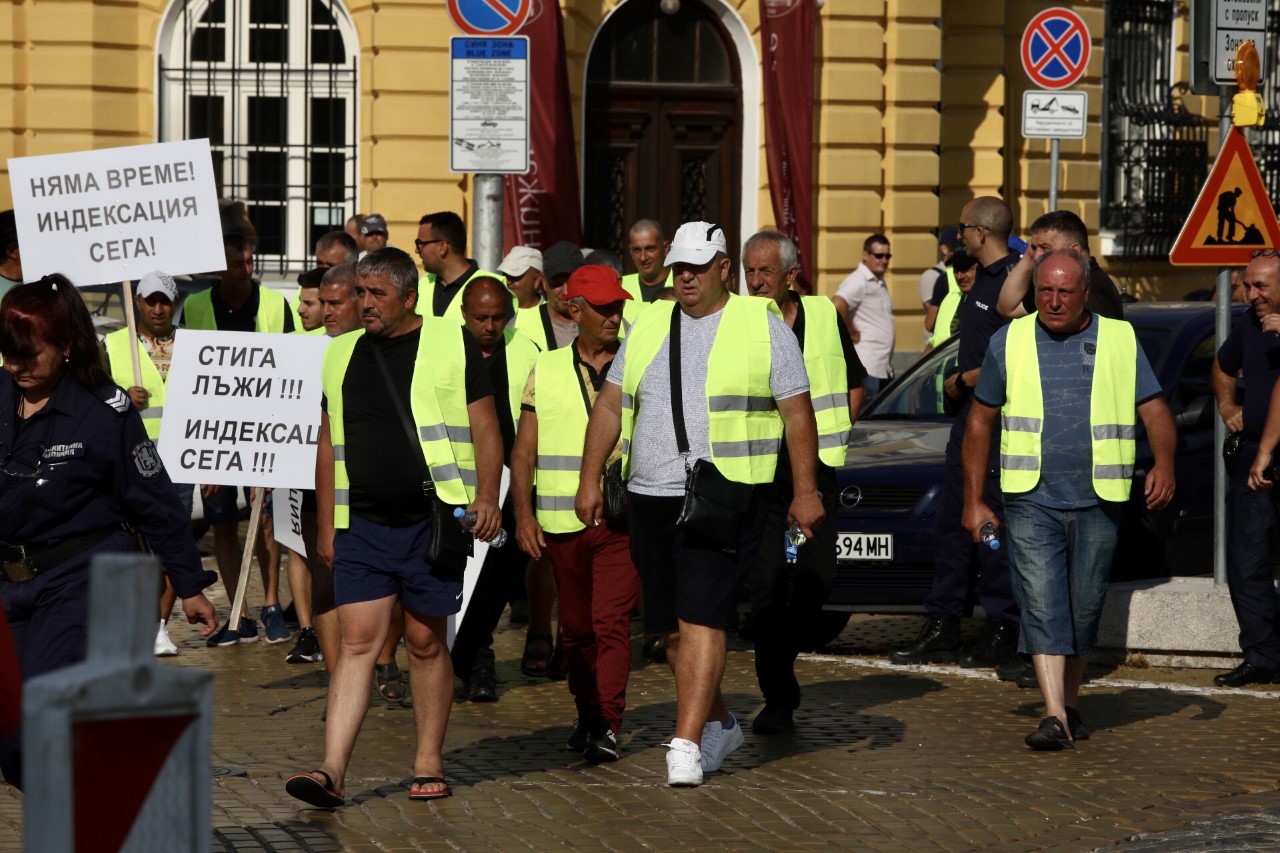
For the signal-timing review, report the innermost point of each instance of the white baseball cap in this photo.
(518, 261)
(157, 282)
(696, 243)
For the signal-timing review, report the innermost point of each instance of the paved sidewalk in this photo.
(884, 758)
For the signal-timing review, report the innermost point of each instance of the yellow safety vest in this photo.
(562, 430)
(529, 322)
(522, 354)
(631, 284)
(947, 310)
(121, 364)
(197, 311)
(437, 401)
(426, 294)
(744, 424)
(828, 378)
(1112, 409)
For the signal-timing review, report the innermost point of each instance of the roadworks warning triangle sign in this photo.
(1232, 217)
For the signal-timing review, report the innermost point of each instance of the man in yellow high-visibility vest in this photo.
(741, 381)
(1065, 471)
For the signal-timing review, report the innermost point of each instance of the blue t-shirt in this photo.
(1257, 353)
(1066, 382)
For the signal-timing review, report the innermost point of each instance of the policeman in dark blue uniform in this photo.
(77, 472)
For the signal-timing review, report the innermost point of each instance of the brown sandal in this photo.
(535, 663)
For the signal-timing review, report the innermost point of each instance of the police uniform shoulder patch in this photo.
(115, 397)
(147, 459)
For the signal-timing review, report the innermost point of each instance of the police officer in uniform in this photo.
(77, 470)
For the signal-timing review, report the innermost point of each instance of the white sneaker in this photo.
(684, 763)
(164, 646)
(718, 742)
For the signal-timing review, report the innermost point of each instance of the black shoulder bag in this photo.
(713, 504)
(450, 545)
(615, 488)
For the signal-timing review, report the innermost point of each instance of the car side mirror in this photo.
(1196, 414)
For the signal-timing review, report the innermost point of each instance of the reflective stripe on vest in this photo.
(1112, 409)
(746, 436)
(121, 365)
(947, 310)
(828, 378)
(437, 401)
(562, 430)
(197, 311)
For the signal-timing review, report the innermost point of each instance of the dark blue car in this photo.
(891, 484)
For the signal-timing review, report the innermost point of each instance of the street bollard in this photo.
(117, 747)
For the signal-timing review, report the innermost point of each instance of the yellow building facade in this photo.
(918, 111)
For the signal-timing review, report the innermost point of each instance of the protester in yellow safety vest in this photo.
(237, 303)
(786, 601)
(153, 303)
(599, 587)
(407, 396)
(442, 246)
(1065, 471)
(961, 271)
(522, 269)
(649, 247)
(509, 358)
(742, 378)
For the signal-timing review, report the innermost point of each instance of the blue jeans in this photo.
(1060, 562)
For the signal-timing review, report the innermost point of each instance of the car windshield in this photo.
(917, 395)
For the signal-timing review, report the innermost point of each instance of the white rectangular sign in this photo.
(1054, 115)
(118, 213)
(489, 105)
(1235, 21)
(243, 409)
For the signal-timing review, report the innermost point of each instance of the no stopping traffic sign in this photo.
(489, 17)
(1055, 48)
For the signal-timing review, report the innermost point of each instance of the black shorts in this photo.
(682, 583)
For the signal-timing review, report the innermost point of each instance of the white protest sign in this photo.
(118, 213)
(243, 409)
(286, 508)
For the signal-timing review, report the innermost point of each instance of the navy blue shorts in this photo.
(373, 561)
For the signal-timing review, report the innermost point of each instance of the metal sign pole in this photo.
(1053, 173)
(486, 236)
(1222, 328)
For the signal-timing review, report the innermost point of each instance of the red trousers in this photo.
(598, 588)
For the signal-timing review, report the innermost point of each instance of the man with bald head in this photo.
(963, 571)
(509, 357)
(648, 246)
(1068, 387)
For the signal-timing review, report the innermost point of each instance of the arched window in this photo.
(272, 85)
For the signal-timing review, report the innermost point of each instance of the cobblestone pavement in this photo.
(884, 758)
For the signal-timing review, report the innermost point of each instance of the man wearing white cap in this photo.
(153, 302)
(739, 376)
(522, 268)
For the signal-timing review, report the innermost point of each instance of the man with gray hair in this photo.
(787, 599)
(409, 419)
(334, 248)
(1066, 471)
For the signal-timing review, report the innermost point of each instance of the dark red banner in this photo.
(787, 34)
(542, 206)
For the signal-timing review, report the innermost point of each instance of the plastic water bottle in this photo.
(468, 521)
(990, 534)
(793, 538)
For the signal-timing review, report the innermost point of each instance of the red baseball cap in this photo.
(595, 283)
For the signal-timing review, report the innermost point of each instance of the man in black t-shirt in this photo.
(1058, 229)
(962, 570)
(374, 512)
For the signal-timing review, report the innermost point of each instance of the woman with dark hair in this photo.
(77, 476)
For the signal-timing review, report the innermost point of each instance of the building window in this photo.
(1155, 154)
(272, 85)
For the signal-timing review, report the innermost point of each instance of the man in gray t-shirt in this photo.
(689, 586)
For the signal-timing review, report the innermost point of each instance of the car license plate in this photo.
(864, 546)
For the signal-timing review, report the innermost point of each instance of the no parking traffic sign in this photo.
(1055, 48)
(489, 17)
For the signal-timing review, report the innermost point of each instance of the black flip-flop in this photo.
(305, 787)
(433, 795)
